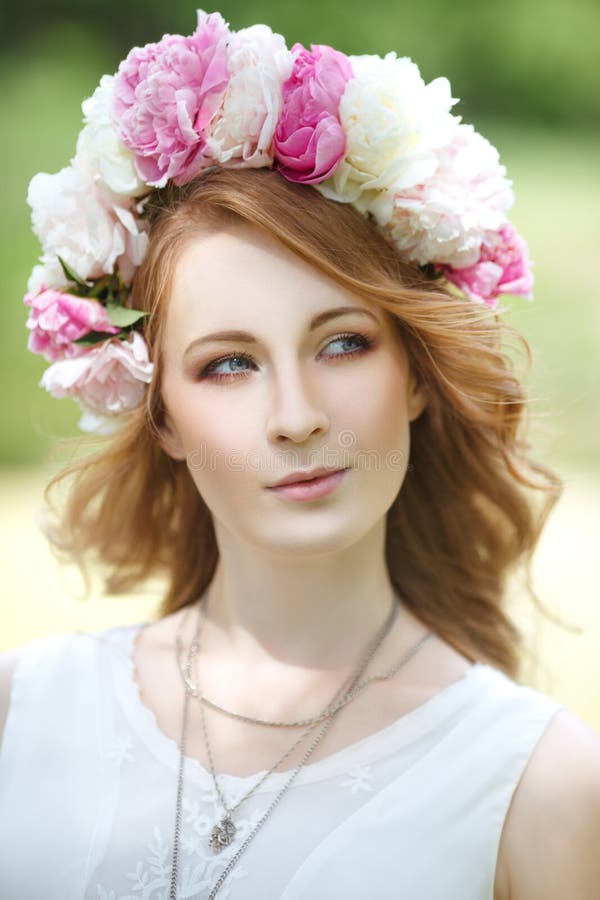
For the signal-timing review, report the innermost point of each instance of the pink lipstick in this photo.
(310, 490)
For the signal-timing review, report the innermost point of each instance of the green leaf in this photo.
(72, 276)
(122, 316)
(100, 287)
(94, 337)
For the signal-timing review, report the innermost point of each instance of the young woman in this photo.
(326, 704)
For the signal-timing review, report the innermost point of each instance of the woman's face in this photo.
(296, 392)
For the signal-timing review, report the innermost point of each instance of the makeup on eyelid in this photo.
(365, 345)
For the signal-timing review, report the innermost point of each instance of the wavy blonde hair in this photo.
(473, 503)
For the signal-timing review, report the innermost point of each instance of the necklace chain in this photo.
(303, 723)
(223, 832)
(229, 810)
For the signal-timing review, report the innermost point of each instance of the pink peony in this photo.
(502, 268)
(309, 140)
(108, 378)
(165, 95)
(57, 319)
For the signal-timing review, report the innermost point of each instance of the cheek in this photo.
(204, 417)
(219, 451)
(380, 420)
(219, 471)
(219, 441)
(381, 410)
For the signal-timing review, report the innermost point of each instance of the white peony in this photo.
(99, 142)
(394, 123)
(89, 227)
(135, 232)
(109, 378)
(92, 422)
(49, 275)
(241, 133)
(446, 219)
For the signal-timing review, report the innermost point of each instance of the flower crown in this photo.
(364, 130)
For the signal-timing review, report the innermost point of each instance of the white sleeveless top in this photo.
(88, 786)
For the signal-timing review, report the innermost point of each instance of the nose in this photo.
(296, 411)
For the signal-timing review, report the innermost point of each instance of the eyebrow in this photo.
(248, 338)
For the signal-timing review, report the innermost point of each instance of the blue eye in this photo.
(208, 373)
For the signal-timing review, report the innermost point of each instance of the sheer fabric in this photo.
(88, 783)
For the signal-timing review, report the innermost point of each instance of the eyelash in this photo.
(366, 345)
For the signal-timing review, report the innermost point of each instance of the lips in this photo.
(299, 477)
(315, 488)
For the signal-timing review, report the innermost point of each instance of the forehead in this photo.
(241, 277)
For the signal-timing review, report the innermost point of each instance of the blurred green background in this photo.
(527, 76)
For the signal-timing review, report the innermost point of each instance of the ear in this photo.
(416, 397)
(170, 440)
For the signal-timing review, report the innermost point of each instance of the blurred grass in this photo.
(557, 185)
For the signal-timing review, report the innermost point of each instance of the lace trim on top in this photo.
(405, 730)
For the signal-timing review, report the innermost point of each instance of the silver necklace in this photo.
(226, 826)
(195, 692)
(350, 694)
(226, 823)
(224, 831)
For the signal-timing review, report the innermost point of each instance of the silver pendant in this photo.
(222, 834)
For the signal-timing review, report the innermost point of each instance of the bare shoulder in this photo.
(549, 844)
(160, 633)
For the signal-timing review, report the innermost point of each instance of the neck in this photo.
(316, 612)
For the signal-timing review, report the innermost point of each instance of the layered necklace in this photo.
(224, 830)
